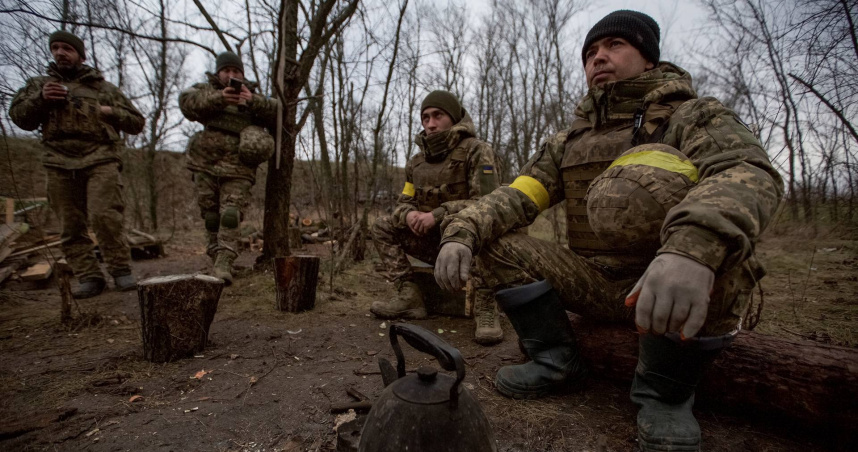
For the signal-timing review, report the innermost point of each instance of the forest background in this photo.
(352, 75)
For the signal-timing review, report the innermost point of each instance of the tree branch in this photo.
(107, 27)
(837, 112)
(213, 24)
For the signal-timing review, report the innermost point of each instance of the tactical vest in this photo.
(77, 117)
(588, 154)
(231, 120)
(446, 180)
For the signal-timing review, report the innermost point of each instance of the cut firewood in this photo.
(37, 272)
(175, 314)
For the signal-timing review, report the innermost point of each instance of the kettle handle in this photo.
(421, 339)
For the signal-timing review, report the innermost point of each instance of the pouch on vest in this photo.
(255, 146)
(231, 119)
(77, 117)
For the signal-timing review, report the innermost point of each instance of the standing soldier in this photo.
(666, 195)
(452, 170)
(223, 157)
(81, 115)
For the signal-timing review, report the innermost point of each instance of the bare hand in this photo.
(54, 91)
(411, 221)
(231, 96)
(425, 222)
(672, 295)
(245, 95)
(106, 110)
(453, 266)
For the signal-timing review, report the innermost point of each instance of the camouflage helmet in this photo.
(627, 204)
(255, 146)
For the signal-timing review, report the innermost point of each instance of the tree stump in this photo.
(799, 384)
(295, 280)
(175, 314)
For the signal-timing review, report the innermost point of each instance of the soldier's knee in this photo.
(212, 221)
(230, 218)
(382, 226)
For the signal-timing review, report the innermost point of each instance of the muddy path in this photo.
(268, 378)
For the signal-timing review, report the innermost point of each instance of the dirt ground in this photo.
(71, 389)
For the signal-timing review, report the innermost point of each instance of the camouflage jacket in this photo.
(30, 111)
(717, 223)
(213, 151)
(480, 167)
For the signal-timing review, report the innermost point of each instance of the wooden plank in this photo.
(35, 248)
(37, 272)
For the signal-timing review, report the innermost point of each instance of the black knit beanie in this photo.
(639, 29)
(70, 39)
(446, 101)
(228, 59)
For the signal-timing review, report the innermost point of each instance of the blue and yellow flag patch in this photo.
(488, 169)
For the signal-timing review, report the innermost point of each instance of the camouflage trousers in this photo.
(596, 289)
(91, 196)
(221, 201)
(394, 242)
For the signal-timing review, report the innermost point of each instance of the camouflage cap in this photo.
(255, 146)
(70, 39)
(627, 204)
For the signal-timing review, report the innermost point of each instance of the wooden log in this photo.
(37, 272)
(295, 281)
(63, 276)
(801, 384)
(175, 314)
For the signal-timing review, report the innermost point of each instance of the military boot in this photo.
(408, 304)
(487, 318)
(543, 327)
(125, 283)
(663, 388)
(88, 288)
(223, 265)
(212, 245)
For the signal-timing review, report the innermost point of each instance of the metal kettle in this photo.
(426, 412)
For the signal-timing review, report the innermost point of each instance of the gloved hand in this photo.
(672, 294)
(453, 266)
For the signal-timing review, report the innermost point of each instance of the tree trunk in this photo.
(801, 383)
(295, 280)
(175, 314)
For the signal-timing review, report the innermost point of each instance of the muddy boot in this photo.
(88, 288)
(538, 317)
(408, 304)
(223, 265)
(487, 318)
(663, 388)
(125, 283)
(212, 246)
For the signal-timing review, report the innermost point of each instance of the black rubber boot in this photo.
(89, 288)
(665, 379)
(543, 327)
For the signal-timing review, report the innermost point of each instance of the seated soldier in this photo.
(452, 170)
(682, 191)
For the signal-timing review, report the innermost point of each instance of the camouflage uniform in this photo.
(470, 167)
(716, 224)
(222, 179)
(83, 163)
